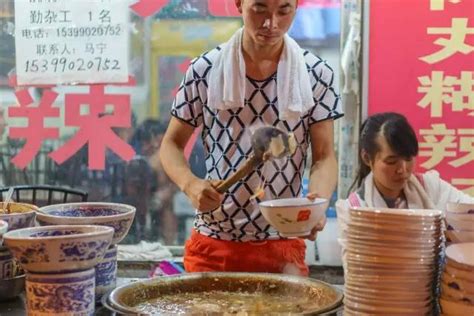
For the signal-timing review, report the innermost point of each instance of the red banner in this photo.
(223, 8)
(421, 63)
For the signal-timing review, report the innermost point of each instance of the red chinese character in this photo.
(95, 128)
(303, 215)
(35, 132)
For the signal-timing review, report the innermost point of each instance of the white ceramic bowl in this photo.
(117, 216)
(20, 215)
(59, 248)
(462, 254)
(458, 236)
(3, 230)
(459, 221)
(294, 217)
(461, 208)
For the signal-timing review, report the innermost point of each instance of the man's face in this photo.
(266, 21)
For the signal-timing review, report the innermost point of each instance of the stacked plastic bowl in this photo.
(460, 223)
(457, 282)
(391, 260)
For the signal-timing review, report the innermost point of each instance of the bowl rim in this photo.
(462, 204)
(316, 201)
(32, 209)
(460, 216)
(96, 230)
(453, 253)
(43, 212)
(61, 275)
(391, 211)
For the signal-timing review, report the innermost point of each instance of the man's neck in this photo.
(259, 52)
(260, 61)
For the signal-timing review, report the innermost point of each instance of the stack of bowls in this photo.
(6, 259)
(457, 284)
(3, 230)
(460, 222)
(391, 260)
(59, 263)
(118, 216)
(12, 277)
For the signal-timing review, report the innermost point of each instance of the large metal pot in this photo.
(313, 296)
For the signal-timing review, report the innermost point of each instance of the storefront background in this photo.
(421, 64)
(160, 49)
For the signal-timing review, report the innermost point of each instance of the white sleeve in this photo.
(442, 192)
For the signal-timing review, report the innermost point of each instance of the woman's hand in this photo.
(203, 194)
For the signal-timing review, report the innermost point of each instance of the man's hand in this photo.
(203, 194)
(319, 226)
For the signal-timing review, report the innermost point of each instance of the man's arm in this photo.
(172, 152)
(323, 174)
(202, 194)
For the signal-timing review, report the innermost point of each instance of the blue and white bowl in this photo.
(60, 294)
(55, 249)
(3, 230)
(117, 216)
(7, 265)
(19, 215)
(106, 273)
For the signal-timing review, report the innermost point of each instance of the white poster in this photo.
(71, 41)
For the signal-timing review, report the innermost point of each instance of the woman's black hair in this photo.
(396, 130)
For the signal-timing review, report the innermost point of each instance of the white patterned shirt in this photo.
(226, 137)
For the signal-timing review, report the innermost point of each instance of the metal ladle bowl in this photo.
(261, 141)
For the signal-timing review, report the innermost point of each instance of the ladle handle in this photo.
(244, 170)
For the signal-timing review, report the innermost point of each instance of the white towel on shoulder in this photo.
(227, 79)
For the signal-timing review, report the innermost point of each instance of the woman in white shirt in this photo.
(387, 151)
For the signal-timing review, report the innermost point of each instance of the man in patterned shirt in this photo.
(230, 232)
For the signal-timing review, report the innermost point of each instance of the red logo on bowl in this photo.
(303, 215)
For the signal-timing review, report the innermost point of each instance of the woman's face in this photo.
(390, 171)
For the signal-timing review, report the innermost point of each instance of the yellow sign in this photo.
(187, 38)
(452, 45)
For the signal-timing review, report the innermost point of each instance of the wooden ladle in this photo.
(261, 139)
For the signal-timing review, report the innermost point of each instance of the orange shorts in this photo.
(206, 254)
